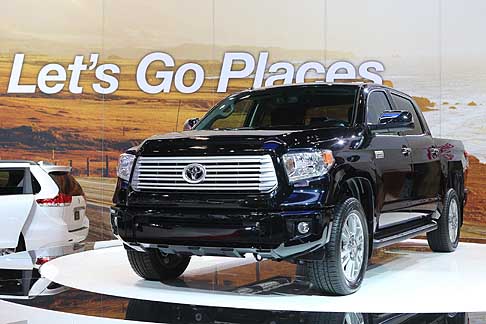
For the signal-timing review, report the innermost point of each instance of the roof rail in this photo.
(19, 161)
(45, 163)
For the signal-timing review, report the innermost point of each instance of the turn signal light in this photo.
(327, 157)
(60, 200)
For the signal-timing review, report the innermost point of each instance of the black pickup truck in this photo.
(319, 174)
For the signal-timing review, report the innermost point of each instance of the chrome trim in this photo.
(352, 247)
(412, 232)
(453, 220)
(248, 173)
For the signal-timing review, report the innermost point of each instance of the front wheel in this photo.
(153, 265)
(446, 237)
(346, 254)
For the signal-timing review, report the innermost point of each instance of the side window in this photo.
(377, 104)
(36, 188)
(11, 182)
(404, 104)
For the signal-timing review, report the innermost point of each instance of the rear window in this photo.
(407, 105)
(67, 184)
(12, 182)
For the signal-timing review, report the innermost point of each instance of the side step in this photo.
(377, 243)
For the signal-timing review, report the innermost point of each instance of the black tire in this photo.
(439, 240)
(459, 318)
(338, 318)
(153, 265)
(327, 275)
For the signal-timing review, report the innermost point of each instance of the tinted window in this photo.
(67, 184)
(284, 108)
(377, 104)
(36, 188)
(404, 104)
(12, 182)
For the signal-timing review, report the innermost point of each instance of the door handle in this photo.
(406, 150)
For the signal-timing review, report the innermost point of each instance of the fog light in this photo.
(303, 227)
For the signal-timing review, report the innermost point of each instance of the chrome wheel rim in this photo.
(353, 318)
(352, 247)
(453, 220)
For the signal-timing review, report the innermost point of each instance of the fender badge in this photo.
(379, 155)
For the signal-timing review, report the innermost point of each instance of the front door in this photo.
(16, 201)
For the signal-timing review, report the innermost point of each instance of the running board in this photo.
(377, 243)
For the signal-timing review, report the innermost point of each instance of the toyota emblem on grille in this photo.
(194, 173)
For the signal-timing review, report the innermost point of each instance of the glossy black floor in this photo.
(85, 303)
(25, 286)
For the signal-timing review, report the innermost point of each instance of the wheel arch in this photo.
(361, 188)
(455, 179)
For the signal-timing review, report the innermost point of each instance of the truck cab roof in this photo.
(362, 85)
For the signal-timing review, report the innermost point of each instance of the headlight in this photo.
(307, 164)
(125, 165)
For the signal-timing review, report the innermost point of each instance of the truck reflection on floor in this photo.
(147, 311)
(266, 277)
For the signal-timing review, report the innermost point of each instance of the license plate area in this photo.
(77, 214)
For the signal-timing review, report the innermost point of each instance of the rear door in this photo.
(74, 214)
(426, 166)
(393, 166)
(16, 201)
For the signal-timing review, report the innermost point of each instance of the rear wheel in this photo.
(337, 318)
(153, 265)
(344, 265)
(446, 237)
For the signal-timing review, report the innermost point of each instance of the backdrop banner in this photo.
(81, 81)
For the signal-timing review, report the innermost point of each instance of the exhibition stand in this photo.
(410, 280)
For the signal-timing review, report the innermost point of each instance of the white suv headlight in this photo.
(125, 164)
(307, 164)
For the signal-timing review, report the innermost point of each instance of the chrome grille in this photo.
(223, 173)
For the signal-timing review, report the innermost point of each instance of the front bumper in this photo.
(270, 234)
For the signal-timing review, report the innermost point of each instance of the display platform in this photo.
(406, 278)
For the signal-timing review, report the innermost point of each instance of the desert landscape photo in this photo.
(88, 131)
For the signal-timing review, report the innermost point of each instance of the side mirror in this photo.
(394, 119)
(190, 123)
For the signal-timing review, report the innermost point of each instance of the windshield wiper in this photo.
(232, 128)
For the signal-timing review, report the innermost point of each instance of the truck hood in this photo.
(240, 141)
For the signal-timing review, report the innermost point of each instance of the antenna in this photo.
(178, 110)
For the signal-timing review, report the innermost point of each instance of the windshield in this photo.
(284, 108)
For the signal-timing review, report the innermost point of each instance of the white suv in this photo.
(41, 205)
